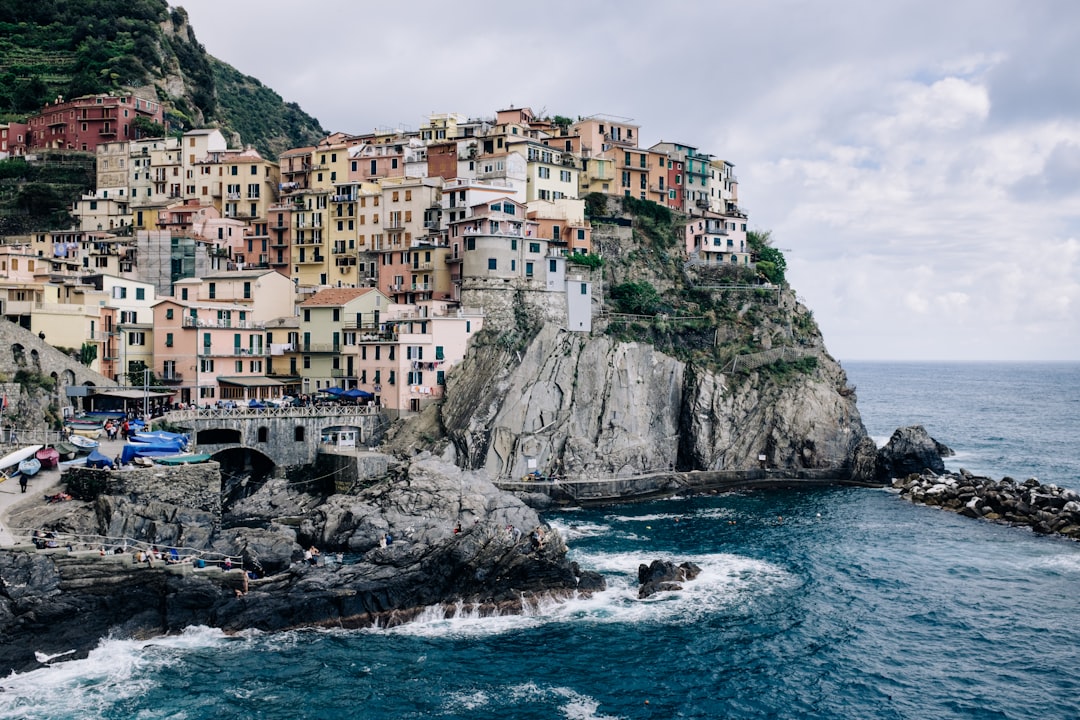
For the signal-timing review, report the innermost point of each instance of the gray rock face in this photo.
(909, 450)
(582, 406)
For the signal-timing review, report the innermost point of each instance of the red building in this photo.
(13, 139)
(83, 123)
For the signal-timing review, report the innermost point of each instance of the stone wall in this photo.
(195, 486)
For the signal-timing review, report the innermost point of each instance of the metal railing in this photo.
(319, 410)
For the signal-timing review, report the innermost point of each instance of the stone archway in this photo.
(35, 360)
(18, 355)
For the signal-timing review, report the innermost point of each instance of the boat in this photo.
(48, 457)
(97, 460)
(134, 450)
(84, 424)
(66, 450)
(29, 467)
(82, 443)
(9, 463)
(183, 459)
(86, 432)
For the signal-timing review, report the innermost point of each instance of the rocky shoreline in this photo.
(456, 544)
(1046, 509)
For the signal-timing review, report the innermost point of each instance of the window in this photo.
(439, 352)
(298, 433)
(534, 247)
(564, 175)
(168, 339)
(140, 293)
(391, 377)
(493, 264)
(584, 288)
(168, 313)
(206, 365)
(528, 269)
(440, 377)
(239, 366)
(552, 265)
(213, 290)
(543, 173)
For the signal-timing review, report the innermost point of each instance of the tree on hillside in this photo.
(770, 261)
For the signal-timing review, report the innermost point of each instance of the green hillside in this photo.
(58, 47)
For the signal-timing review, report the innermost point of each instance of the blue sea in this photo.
(824, 603)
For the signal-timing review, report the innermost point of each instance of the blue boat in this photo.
(160, 437)
(96, 460)
(29, 467)
(137, 450)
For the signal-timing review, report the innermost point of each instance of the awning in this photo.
(131, 394)
(253, 381)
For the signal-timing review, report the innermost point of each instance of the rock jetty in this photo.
(1046, 509)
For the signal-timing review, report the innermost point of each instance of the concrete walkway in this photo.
(46, 482)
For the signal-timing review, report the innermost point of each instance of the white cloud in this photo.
(925, 174)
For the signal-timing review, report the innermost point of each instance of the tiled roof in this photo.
(335, 296)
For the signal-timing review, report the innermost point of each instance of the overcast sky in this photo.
(920, 159)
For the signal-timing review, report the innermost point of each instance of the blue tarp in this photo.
(96, 460)
(160, 437)
(357, 394)
(132, 451)
(332, 391)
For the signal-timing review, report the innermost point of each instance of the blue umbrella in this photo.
(332, 391)
(357, 394)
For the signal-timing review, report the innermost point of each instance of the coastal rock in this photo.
(664, 575)
(457, 542)
(909, 450)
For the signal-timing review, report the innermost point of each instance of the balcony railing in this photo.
(190, 322)
(318, 347)
(172, 378)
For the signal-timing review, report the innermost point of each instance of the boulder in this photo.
(664, 575)
(909, 450)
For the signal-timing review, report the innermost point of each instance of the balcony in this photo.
(421, 287)
(318, 347)
(279, 242)
(233, 353)
(171, 378)
(277, 263)
(190, 322)
(313, 260)
(342, 198)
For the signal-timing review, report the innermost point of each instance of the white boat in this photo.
(10, 462)
(82, 443)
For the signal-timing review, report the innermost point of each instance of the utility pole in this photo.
(146, 394)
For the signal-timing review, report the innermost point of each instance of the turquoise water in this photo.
(832, 603)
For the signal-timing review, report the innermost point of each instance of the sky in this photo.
(917, 160)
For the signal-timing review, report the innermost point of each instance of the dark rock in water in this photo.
(909, 450)
(664, 575)
(864, 462)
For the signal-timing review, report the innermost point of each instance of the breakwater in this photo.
(1047, 509)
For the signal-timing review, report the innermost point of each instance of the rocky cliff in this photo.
(596, 406)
